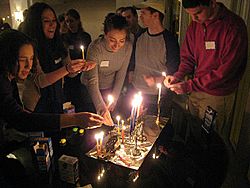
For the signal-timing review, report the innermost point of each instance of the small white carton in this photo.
(68, 168)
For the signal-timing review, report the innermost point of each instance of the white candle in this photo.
(101, 134)
(118, 118)
(82, 48)
(97, 136)
(159, 93)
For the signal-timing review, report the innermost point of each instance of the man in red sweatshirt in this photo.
(214, 52)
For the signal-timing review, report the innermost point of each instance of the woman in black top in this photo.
(41, 25)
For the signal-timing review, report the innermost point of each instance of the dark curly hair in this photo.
(10, 43)
(114, 21)
(32, 26)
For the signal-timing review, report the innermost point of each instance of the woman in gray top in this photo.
(111, 52)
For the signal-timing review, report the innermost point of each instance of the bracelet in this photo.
(66, 67)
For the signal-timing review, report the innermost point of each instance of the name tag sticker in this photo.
(58, 60)
(71, 47)
(210, 45)
(104, 64)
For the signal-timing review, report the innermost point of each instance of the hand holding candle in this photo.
(169, 80)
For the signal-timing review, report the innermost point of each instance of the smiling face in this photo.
(116, 39)
(49, 23)
(25, 60)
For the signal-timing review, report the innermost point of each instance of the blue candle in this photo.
(135, 117)
(131, 120)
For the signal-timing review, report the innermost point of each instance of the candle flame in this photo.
(164, 74)
(82, 47)
(110, 99)
(158, 85)
(118, 118)
(101, 134)
(97, 136)
(137, 99)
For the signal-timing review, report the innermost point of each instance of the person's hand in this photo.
(163, 150)
(88, 65)
(150, 80)
(112, 106)
(107, 117)
(170, 80)
(87, 119)
(178, 88)
(75, 66)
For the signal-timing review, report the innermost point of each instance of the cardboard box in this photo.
(42, 156)
(45, 140)
(68, 168)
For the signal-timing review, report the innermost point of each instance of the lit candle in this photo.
(82, 48)
(135, 112)
(136, 101)
(159, 94)
(118, 118)
(110, 100)
(158, 104)
(101, 134)
(123, 129)
(132, 116)
(97, 136)
(139, 102)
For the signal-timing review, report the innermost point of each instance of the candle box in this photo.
(68, 108)
(68, 168)
(47, 141)
(42, 156)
